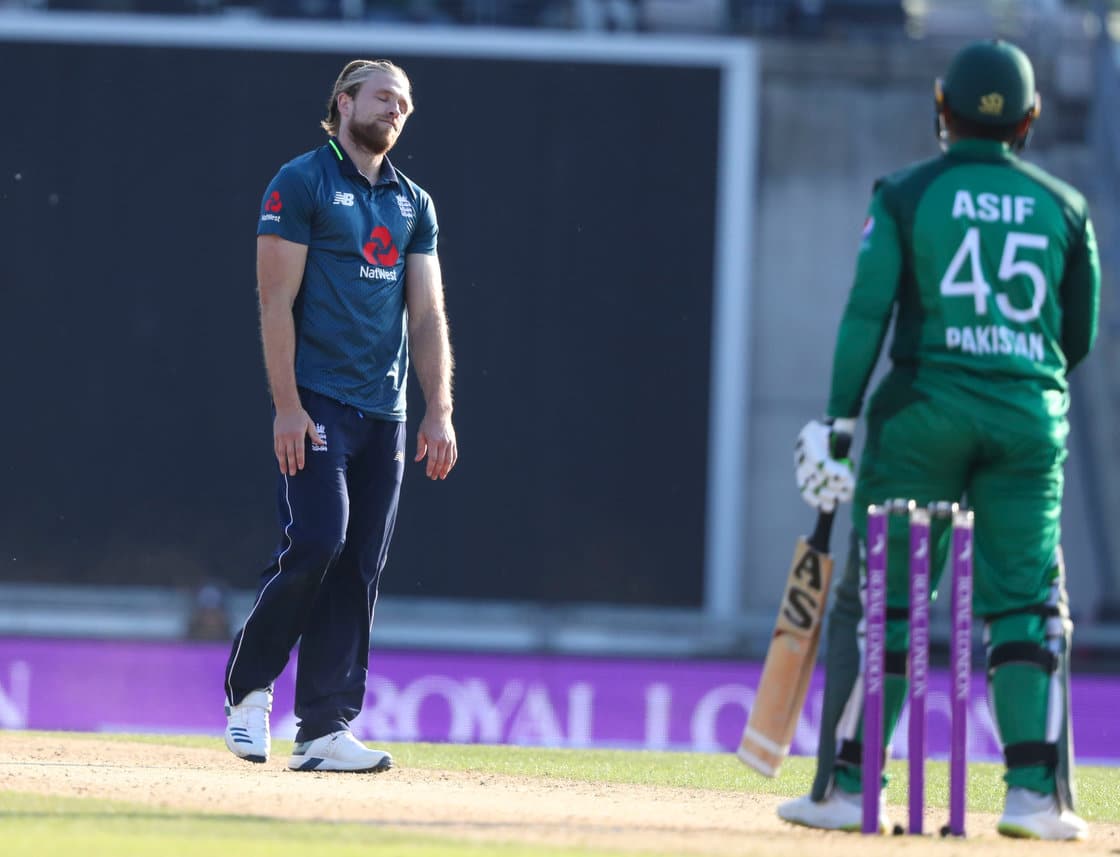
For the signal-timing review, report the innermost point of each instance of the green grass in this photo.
(34, 825)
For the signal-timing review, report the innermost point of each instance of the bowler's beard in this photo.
(374, 136)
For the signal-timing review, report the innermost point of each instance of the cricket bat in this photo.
(792, 654)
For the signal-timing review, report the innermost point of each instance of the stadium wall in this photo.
(646, 293)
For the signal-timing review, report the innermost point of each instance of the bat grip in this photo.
(822, 532)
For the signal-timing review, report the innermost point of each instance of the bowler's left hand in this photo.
(436, 440)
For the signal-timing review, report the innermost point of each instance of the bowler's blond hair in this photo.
(350, 80)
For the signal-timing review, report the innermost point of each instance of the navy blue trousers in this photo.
(337, 517)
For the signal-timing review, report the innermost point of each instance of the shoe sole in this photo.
(850, 828)
(316, 763)
(1015, 831)
(248, 757)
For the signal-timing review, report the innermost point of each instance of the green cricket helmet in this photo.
(990, 83)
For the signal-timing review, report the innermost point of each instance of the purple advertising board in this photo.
(561, 701)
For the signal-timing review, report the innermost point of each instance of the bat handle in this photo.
(822, 532)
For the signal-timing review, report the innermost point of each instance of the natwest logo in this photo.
(369, 272)
(380, 249)
(274, 204)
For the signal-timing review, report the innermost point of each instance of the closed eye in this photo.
(402, 104)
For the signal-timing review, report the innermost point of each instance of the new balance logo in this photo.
(399, 456)
(341, 198)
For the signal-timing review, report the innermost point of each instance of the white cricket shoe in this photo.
(1031, 815)
(839, 811)
(247, 726)
(338, 751)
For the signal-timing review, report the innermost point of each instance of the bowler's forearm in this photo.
(430, 346)
(278, 339)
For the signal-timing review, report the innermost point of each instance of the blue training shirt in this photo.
(351, 335)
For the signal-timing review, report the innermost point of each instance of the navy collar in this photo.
(338, 154)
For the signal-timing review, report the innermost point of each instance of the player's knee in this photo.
(1033, 635)
(309, 556)
(1029, 637)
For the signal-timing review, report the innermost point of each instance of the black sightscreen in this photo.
(576, 205)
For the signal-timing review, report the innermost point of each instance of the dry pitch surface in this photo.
(470, 806)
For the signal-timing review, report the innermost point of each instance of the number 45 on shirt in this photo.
(1010, 266)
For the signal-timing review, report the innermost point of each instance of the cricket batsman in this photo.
(988, 266)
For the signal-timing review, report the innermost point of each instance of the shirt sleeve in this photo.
(868, 312)
(1081, 294)
(287, 207)
(425, 234)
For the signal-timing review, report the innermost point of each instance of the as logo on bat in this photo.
(802, 600)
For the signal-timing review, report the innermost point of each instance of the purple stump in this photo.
(874, 654)
(918, 662)
(960, 667)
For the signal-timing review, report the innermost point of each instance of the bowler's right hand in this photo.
(288, 432)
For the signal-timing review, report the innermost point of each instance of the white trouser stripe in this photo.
(256, 604)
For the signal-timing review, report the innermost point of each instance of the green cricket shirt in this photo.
(989, 266)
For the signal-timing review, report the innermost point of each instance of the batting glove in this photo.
(822, 479)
